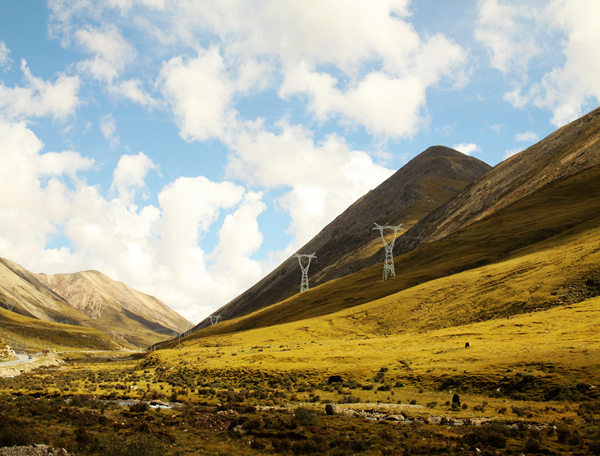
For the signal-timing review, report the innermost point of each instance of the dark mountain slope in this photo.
(422, 185)
(568, 204)
(545, 190)
(565, 152)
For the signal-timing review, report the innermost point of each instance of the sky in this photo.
(188, 147)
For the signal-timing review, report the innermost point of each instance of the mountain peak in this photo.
(423, 184)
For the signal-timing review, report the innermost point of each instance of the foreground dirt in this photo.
(18, 369)
(33, 450)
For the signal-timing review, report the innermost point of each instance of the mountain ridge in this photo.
(88, 299)
(423, 184)
(556, 191)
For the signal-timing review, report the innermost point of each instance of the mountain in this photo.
(86, 299)
(136, 316)
(564, 153)
(22, 292)
(422, 185)
(539, 198)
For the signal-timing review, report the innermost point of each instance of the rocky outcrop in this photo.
(6, 353)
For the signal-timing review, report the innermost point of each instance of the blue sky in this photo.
(186, 148)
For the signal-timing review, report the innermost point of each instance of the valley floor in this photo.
(527, 384)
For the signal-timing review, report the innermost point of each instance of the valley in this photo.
(484, 343)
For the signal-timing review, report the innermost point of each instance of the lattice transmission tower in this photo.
(388, 264)
(304, 284)
(214, 319)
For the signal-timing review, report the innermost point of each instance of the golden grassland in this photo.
(552, 223)
(522, 287)
(34, 335)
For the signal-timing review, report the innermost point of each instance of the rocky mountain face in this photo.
(97, 295)
(6, 353)
(566, 152)
(129, 313)
(422, 185)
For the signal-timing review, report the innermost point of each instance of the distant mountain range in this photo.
(542, 192)
(89, 299)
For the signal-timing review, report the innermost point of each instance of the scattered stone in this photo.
(332, 409)
(33, 450)
(393, 418)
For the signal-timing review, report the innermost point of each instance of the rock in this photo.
(393, 418)
(332, 409)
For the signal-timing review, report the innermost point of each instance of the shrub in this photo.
(532, 445)
(594, 447)
(15, 435)
(139, 407)
(306, 417)
(487, 436)
(349, 399)
(563, 433)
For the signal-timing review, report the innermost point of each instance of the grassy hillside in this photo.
(550, 215)
(343, 246)
(535, 313)
(31, 334)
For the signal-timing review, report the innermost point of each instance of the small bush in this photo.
(532, 445)
(139, 407)
(15, 435)
(594, 447)
(487, 436)
(306, 417)
(349, 399)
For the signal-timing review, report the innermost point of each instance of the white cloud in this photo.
(200, 92)
(508, 30)
(40, 98)
(133, 90)
(108, 127)
(516, 33)
(129, 175)
(156, 249)
(566, 90)
(111, 52)
(4, 51)
(378, 67)
(528, 136)
(467, 149)
(323, 178)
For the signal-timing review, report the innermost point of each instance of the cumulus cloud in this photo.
(566, 90)
(508, 30)
(111, 52)
(37, 98)
(154, 248)
(323, 178)
(515, 33)
(129, 175)
(467, 149)
(199, 91)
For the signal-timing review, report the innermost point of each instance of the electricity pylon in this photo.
(388, 264)
(304, 284)
(214, 319)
